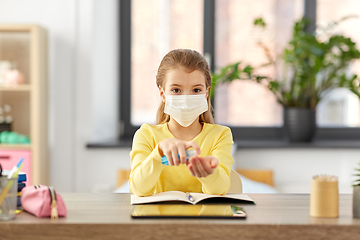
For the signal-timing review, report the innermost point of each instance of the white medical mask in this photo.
(185, 108)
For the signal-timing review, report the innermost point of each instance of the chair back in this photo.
(235, 182)
(259, 175)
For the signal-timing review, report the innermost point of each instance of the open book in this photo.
(193, 198)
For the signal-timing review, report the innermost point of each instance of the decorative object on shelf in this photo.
(324, 196)
(13, 138)
(356, 195)
(5, 127)
(13, 78)
(9, 75)
(5, 66)
(6, 120)
(7, 108)
(313, 66)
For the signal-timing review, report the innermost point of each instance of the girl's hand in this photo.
(202, 166)
(172, 148)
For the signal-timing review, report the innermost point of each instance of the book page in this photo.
(198, 197)
(160, 197)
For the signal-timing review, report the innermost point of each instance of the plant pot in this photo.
(356, 201)
(299, 124)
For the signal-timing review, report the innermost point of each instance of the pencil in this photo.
(188, 195)
(10, 183)
(6, 189)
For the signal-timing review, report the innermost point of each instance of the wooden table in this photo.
(107, 216)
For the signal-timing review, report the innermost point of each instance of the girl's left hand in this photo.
(202, 166)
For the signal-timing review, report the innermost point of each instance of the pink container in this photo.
(9, 158)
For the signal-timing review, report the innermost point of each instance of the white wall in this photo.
(294, 168)
(83, 103)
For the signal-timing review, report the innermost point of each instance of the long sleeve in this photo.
(146, 164)
(148, 175)
(219, 181)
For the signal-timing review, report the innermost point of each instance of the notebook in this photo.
(192, 198)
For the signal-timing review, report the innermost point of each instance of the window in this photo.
(248, 103)
(148, 31)
(341, 108)
(153, 27)
(158, 27)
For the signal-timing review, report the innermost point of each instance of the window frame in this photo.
(127, 130)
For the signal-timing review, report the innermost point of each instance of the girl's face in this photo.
(179, 81)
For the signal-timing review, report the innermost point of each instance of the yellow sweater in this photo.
(148, 175)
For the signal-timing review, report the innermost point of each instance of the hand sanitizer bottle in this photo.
(189, 154)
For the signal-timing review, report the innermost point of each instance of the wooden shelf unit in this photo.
(26, 44)
(15, 146)
(20, 88)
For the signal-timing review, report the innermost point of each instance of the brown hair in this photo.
(191, 60)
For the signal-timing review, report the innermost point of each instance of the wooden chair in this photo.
(122, 177)
(258, 175)
(235, 182)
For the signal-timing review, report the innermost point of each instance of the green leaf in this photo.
(259, 78)
(259, 22)
(274, 85)
(248, 69)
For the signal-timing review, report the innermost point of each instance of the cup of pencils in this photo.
(324, 197)
(8, 192)
(9, 202)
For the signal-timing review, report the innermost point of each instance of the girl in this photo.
(183, 121)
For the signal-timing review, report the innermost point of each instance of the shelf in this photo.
(25, 47)
(20, 88)
(16, 146)
(16, 27)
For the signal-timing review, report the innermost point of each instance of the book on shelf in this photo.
(21, 178)
(21, 185)
(192, 198)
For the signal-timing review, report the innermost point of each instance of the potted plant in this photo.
(356, 195)
(312, 67)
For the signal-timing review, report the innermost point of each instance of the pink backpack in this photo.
(42, 201)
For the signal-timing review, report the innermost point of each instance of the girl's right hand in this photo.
(172, 147)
